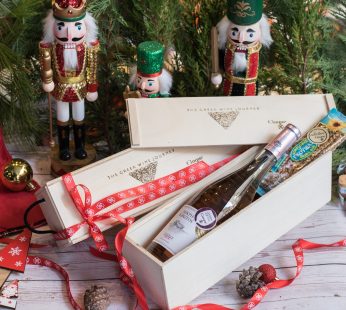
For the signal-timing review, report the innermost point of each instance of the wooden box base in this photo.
(192, 271)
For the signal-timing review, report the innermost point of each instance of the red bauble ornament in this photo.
(268, 273)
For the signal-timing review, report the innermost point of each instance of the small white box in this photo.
(197, 121)
(121, 171)
(192, 271)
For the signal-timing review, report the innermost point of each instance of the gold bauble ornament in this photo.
(17, 175)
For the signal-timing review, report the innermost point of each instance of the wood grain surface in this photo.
(321, 286)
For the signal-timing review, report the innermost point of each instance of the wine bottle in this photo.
(219, 201)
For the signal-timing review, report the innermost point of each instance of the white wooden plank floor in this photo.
(322, 284)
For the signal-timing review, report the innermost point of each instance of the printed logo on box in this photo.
(145, 174)
(225, 119)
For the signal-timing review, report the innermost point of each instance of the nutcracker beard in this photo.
(70, 59)
(239, 62)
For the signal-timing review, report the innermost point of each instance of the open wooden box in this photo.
(192, 271)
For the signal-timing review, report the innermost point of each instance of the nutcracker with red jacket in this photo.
(240, 36)
(68, 57)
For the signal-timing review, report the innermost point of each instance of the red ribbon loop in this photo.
(86, 210)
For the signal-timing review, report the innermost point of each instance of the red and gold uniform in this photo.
(241, 83)
(71, 85)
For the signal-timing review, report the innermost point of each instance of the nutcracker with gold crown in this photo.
(68, 57)
(150, 78)
(241, 35)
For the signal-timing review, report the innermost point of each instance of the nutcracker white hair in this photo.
(223, 28)
(48, 28)
(165, 80)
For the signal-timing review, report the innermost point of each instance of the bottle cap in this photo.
(284, 140)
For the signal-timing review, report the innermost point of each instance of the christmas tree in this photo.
(307, 56)
(19, 77)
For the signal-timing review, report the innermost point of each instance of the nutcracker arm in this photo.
(91, 68)
(216, 77)
(45, 58)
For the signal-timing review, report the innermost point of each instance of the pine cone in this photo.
(249, 282)
(96, 298)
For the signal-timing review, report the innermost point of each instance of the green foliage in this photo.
(299, 30)
(333, 60)
(308, 55)
(18, 96)
(106, 115)
(193, 47)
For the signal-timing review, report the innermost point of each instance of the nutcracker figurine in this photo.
(68, 57)
(241, 34)
(150, 78)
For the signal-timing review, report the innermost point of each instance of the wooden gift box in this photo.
(197, 121)
(192, 271)
(121, 171)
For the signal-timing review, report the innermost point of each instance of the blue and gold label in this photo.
(303, 150)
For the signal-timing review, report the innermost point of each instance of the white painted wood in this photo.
(322, 284)
(211, 258)
(166, 122)
(112, 175)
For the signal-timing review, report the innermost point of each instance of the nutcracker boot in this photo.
(79, 140)
(64, 141)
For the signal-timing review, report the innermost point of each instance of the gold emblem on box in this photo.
(145, 174)
(225, 119)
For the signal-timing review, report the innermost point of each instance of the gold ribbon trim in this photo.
(238, 80)
(71, 79)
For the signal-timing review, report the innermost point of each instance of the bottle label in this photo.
(185, 227)
(205, 218)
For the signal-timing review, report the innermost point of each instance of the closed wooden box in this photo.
(192, 271)
(198, 121)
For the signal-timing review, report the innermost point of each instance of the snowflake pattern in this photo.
(111, 200)
(162, 191)
(1, 259)
(181, 182)
(152, 196)
(172, 178)
(192, 178)
(131, 204)
(18, 264)
(100, 205)
(172, 187)
(22, 239)
(102, 248)
(151, 186)
(47, 263)
(297, 249)
(251, 305)
(258, 296)
(182, 174)
(15, 251)
(37, 261)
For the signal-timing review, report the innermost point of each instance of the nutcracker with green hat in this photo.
(150, 78)
(241, 35)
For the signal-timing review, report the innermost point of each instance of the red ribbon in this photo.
(129, 278)
(141, 194)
